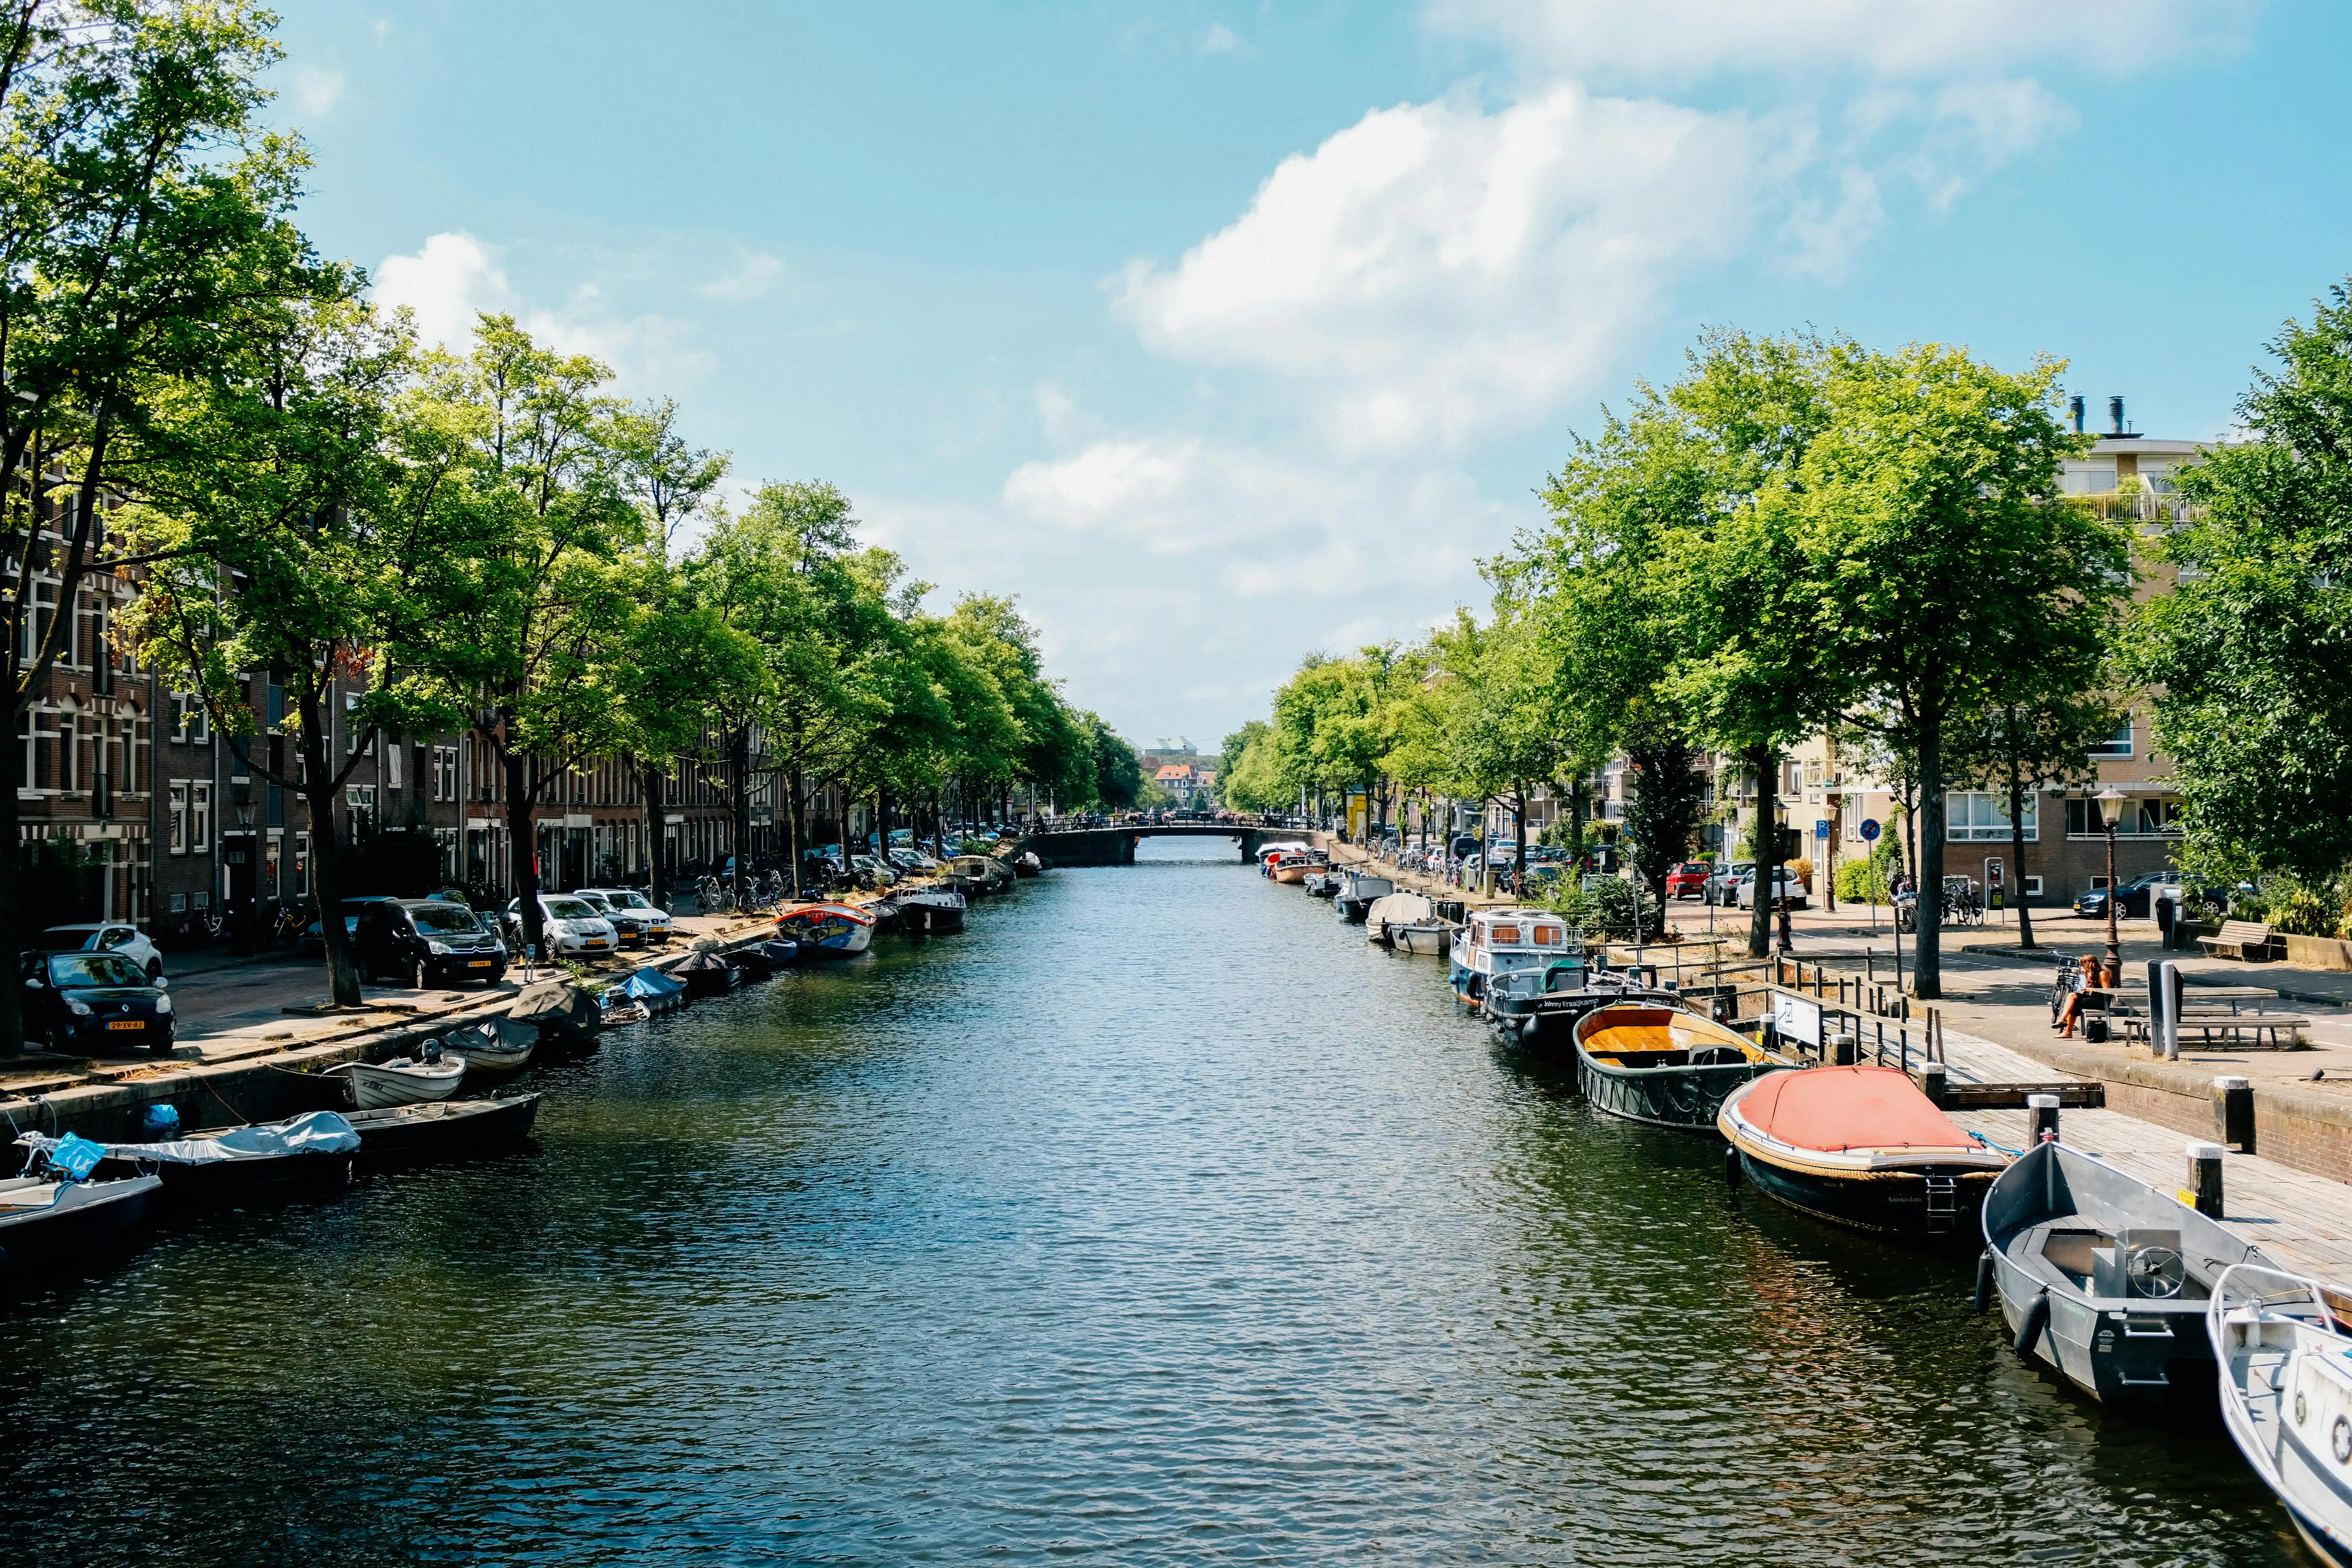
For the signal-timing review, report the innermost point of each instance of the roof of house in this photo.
(1175, 771)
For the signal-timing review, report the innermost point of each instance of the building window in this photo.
(301, 888)
(361, 801)
(444, 773)
(393, 752)
(28, 752)
(2144, 816)
(69, 754)
(176, 818)
(1981, 813)
(271, 855)
(352, 728)
(2119, 745)
(200, 819)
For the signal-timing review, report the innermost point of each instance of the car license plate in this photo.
(479, 964)
(127, 1024)
(595, 942)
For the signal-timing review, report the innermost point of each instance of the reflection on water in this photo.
(1157, 1219)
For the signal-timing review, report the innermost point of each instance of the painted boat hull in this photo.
(932, 915)
(376, 1087)
(1689, 1098)
(828, 932)
(1927, 1194)
(78, 1228)
(448, 1129)
(1421, 940)
(2265, 1360)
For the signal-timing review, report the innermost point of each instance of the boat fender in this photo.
(1984, 1279)
(2037, 1317)
(1731, 1168)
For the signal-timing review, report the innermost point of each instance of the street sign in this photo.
(1796, 1018)
(1821, 829)
(1869, 829)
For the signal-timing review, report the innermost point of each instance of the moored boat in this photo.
(313, 1150)
(706, 974)
(1026, 864)
(447, 1129)
(1664, 1064)
(435, 1074)
(1294, 866)
(2105, 1277)
(1498, 942)
(1323, 884)
(1862, 1146)
(1358, 893)
(931, 912)
(830, 930)
(1267, 854)
(493, 1048)
(56, 1217)
(2286, 1395)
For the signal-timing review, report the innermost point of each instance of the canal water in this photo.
(1155, 1220)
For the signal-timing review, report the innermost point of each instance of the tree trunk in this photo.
(799, 827)
(2017, 854)
(1765, 763)
(523, 852)
(1576, 830)
(738, 803)
(657, 874)
(1927, 954)
(12, 882)
(320, 788)
(1519, 837)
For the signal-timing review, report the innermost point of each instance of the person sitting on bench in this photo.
(2085, 974)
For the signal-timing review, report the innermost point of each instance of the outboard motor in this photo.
(432, 1051)
(161, 1124)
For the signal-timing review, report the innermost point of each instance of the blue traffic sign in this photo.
(1869, 829)
(1821, 828)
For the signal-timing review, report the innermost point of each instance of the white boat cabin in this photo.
(1500, 941)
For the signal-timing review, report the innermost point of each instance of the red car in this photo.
(1688, 881)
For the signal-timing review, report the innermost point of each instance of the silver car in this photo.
(631, 912)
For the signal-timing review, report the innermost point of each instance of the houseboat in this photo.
(1502, 942)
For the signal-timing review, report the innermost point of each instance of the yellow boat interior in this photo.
(1636, 1038)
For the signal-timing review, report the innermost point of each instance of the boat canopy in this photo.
(316, 1133)
(1836, 1108)
(1400, 910)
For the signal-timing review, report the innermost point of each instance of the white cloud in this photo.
(1446, 273)
(317, 90)
(454, 278)
(1681, 40)
(758, 274)
(1221, 39)
(1062, 417)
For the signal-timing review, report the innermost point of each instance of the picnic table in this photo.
(2193, 998)
(2200, 1015)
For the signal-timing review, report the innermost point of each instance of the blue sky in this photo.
(1220, 332)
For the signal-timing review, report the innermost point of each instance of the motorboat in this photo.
(1026, 864)
(56, 1217)
(1408, 923)
(1358, 891)
(2286, 1363)
(931, 912)
(1267, 854)
(705, 973)
(652, 991)
(2105, 1277)
(1859, 1145)
(1497, 941)
(886, 915)
(974, 875)
(447, 1129)
(782, 953)
(832, 931)
(1664, 1064)
(1292, 867)
(432, 1074)
(313, 1150)
(493, 1048)
(1323, 884)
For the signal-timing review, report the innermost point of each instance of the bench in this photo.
(2285, 1029)
(2249, 941)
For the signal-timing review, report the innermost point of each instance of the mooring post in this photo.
(2204, 1192)
(2233, 1113)
(2045, 1108)
(1932, 1083)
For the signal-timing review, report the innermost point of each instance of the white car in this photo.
(104, 936)
(573, 927)
(1743, 892)
(631, 912)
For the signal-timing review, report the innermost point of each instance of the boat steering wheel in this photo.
(2146, 1268)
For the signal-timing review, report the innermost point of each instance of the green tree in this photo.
(2248, 650)
(1118, 776)
(1939, 557)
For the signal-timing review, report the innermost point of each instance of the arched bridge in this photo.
(1115, 845)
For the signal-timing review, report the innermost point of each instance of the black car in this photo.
(426, 941)
(314, 940)
(83, 1002)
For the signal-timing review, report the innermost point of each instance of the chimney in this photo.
(2115, 415)
(2074, 407)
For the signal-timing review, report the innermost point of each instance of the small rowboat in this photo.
(50, 1222)
(401, 1082)
(1026, 864)
(493, 1048)
(447, 1129)
(2286, 1395)
(1667, 1068)
(1862, 1146)
(313, 1150)
(2105, 1277)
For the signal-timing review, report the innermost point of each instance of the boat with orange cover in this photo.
(1860, 1145)
(1648, 1062)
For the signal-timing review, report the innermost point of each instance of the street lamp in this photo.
(2111, 811)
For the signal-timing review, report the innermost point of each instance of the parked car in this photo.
(1463, 844)
(1785, 885)
(871, 872)
(426, 941)
(314, 940)
(107, 936)
(632, 913)
(80, 1002)
(1720, 881)
(573, 928)
(2134, 900)
(913, 861)
(1688, 881)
